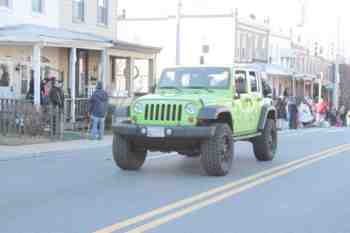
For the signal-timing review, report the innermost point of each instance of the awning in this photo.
(28, 33)
(306, 77)
(127, 46)
(273, 70)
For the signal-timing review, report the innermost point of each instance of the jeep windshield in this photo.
(195, 78)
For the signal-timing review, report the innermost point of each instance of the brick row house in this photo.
(74, 41)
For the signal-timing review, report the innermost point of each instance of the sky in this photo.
(321, 23)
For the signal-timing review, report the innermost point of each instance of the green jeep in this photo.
(198, 111)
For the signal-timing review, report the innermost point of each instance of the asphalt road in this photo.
(305, 189)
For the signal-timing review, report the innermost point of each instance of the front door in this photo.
(255, 91)
(242, 104)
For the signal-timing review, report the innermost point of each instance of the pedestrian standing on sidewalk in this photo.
(281, 107)
(56, 98)
(304, 114)
(98, 106)
(348, 119)
(342, 115)
(321, 111)
(293, 112)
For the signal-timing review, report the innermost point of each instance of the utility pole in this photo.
(337, 67)
(178, 32)
(320, 87)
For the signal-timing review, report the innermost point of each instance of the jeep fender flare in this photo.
(213, 113)
(267, 112)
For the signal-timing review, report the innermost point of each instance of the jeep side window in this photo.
(254, 84)
(241, 82)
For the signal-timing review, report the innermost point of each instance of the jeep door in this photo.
(241, 104)
(255, 92)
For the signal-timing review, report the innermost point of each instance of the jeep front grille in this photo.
(163, 112)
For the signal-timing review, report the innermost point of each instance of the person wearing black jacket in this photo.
(281, 107)
(56, 98)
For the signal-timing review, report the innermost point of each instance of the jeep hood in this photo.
(203, 97)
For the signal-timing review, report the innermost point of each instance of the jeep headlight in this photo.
(138, 108)
(191, 109)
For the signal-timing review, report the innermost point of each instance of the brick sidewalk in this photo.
(10, 152)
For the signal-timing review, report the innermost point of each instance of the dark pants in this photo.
(56, 122)
(293, 116)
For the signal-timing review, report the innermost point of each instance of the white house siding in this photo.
(90, 25)
(21, 13)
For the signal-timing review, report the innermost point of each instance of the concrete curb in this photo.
(38, 150)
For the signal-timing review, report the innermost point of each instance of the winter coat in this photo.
(281, 108)
(98, 104)
(56, 97)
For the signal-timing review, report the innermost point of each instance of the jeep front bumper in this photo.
(176, 132)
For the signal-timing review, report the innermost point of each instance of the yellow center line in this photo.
(178, 214)
(182, 203)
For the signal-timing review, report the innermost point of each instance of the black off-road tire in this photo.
(126, 156)
(265, 145)
(217, 152)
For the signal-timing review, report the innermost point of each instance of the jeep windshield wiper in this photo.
(171, 87)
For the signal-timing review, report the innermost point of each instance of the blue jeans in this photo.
(98, 127)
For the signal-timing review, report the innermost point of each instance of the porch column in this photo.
(72, 80)
(105, 68)
(37, 73)
(151, 76)
(132, 75)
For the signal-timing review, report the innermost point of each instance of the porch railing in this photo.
(81, 109)
(21, 117)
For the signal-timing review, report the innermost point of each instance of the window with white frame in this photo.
(102, 12)
(79, 10)
(38, 6)
(5, 3)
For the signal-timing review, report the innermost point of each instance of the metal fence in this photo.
(81, 109)
(21, 117)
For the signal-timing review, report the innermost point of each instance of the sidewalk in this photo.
(13, 152)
